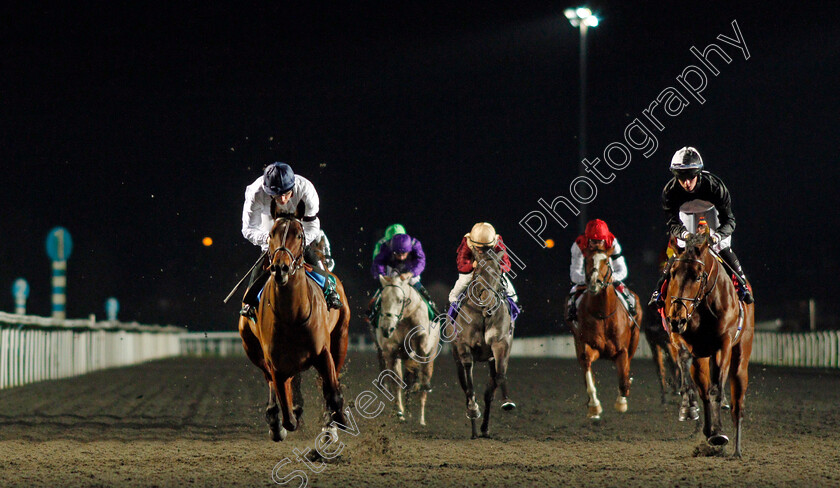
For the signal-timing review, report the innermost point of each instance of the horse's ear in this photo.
(383, 280)
(301, 208)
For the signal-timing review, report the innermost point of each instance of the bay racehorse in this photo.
(294, 331)
(604, 329)
(483, 332)
(408, 342)
(702, 307)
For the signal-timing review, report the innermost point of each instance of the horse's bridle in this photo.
(695, 302)
(606, 280)
(297, 262)
(405, 301)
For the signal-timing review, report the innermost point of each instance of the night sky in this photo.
(137, 127)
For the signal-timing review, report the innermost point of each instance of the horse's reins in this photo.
(297, 262)
(405, 301)
(700, 291)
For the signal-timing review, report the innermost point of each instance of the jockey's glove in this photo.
(715, 237)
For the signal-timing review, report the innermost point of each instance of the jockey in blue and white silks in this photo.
(280, 187)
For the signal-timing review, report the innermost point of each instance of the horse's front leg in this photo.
(622, 367)
(331, 389)
(586, 357)
(272, 415)
(689, 408)
(464, 362)
(501, 355)
(700, 372)
(718, 370)
(394, 363)
(425, 373)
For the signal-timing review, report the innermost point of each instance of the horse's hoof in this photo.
(725, 406)
(718, 440)
(401, 416)
(694, 413)
(474, 414)
(595, 411)
(595, 418)
(621, 407)
(278, 435)
(683, 415)
(508, 406)
(333, 432)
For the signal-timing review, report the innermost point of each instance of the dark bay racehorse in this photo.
(604, 329)
(702, 307)
(483, 332)
(294, 330)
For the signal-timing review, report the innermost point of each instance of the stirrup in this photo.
(332, 299)
(248, 311)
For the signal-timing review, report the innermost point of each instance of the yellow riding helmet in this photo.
(482, 234)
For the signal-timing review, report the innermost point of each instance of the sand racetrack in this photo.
(199, 422)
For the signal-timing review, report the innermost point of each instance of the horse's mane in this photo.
(694, 243)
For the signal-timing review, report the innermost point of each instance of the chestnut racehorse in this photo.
(604, 329)
(702, 307)
(294, 330)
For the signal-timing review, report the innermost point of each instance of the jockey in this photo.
(281, 188)
(690, 182)
(403, 256)
(482, 235)
(597, 234)
(390, 232)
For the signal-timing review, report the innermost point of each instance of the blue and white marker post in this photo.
(112, 308)
(59, 246)
(20, 290)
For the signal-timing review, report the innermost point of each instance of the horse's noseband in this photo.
(297, 262)
(702, 292)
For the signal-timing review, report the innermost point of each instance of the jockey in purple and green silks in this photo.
(390, 232)
(403, 256)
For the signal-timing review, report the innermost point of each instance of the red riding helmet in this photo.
(597, 230)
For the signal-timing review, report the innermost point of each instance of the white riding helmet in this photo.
(686, 163)
(482, 234)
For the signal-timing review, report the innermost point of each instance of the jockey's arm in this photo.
(378, 267)
(723, 204)
(576, 267)
(420, 263)
(252, 215)
(619, 266)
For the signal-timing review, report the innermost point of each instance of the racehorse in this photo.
(483, 332)
(664, 361)
(702, 307)
(408, 342)
(294, 330)
(604, 329)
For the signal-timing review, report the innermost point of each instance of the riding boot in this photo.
(310, 256)
(657, 300)
(631, 303)
(734, 265)
(259, 275)
(571, 314)
(425, 294)
(331, 294)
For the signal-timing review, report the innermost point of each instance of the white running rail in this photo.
(41, 348)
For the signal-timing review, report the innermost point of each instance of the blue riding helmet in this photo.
(686, 163)
(401, 243)
(278, 178)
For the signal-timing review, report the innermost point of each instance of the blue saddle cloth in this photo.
(319, 279)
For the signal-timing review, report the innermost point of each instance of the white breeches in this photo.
(464, 281)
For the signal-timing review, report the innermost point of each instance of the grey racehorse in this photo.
(408, 341)
(483, 333)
